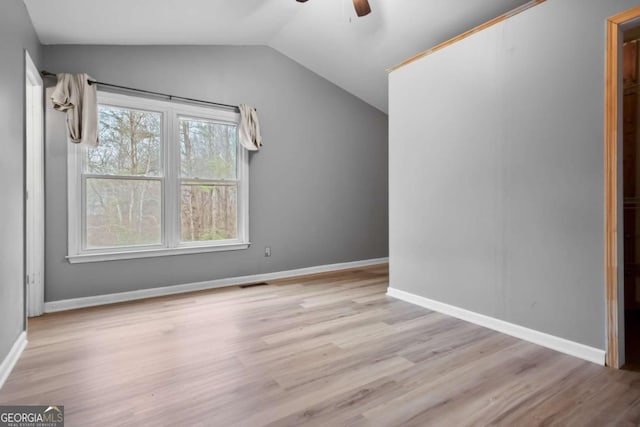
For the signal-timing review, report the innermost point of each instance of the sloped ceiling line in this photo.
(324, 36)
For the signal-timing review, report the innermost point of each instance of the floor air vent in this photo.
(253, 285)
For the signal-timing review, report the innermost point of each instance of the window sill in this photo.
(152, 253)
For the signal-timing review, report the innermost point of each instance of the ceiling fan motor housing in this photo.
(362, 6)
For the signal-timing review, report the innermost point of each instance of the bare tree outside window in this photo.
(209, 182)
(122, 209)
(166, 178)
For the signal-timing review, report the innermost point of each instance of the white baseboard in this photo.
(70, 304)
(12, 358)
(562, 345)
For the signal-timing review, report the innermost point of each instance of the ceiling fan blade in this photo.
(362, 7)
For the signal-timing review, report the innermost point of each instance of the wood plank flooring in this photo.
(324, 350)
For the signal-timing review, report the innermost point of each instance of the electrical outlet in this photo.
(267, 251)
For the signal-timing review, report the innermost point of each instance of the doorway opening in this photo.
(631, 196)
(614, 188)
(34, 190)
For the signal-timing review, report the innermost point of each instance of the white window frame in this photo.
(170, 181)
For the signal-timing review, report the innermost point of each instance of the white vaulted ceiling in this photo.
(322, 35)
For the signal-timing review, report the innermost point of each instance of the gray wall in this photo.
(16, 35)
(318, 189)
(496, 171)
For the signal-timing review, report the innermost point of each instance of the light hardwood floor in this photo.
(326, 350)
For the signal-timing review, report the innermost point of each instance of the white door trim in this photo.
(34, 189)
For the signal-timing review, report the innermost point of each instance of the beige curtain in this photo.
(75, 96)
(249, 132)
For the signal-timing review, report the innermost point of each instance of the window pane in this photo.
(208, 212)
(123, 212)
(129, 143)
(207, 149)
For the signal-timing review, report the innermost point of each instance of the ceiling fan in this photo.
(362, 6)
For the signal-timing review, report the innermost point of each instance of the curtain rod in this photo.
(166, 95)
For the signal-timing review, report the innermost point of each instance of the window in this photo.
(166, 179)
